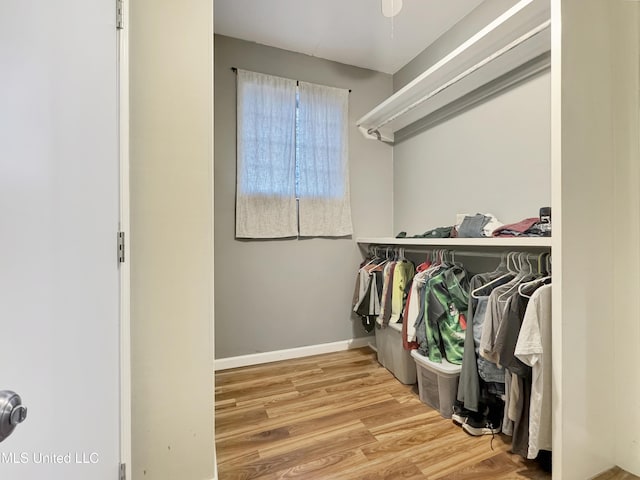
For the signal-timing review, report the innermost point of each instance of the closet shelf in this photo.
(460, 242)
(517, 37)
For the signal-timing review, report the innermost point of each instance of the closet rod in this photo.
(235, 70)
(466, 73)
(456, 253)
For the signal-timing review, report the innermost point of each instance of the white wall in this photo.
(172, 239)
(279, 294)
(493, 158)
(583, 188)
(626, 129)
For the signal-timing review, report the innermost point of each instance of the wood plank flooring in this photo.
(617, 474)
(343, 416)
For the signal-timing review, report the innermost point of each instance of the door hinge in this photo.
(119, 15)
(120, 247)
(123, 471)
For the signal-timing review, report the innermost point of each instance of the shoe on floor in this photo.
(459, 415)
(478, 425)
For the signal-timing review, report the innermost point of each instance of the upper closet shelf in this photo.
(461, 242)
(514, 39)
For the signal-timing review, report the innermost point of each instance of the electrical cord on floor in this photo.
(493, 435)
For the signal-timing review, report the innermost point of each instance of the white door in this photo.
(59, 208)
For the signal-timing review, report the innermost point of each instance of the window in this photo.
(292, 174)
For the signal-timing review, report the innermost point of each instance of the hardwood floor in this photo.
(617, 474)
(343, 416)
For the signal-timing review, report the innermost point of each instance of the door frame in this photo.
(122, 39)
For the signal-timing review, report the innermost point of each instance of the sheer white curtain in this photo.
(266, 175)
(323, 166)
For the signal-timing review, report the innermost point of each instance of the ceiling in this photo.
(348, 31)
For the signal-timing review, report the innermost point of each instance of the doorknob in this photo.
(12, 412)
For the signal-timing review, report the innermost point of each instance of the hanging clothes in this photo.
(422, 289)
(445, 301)
(519, 374)
(381, 290)
(385, 299)
(496, 309)
(402, 276)
(534, 349)
(414, 308)
(474, 366)
(368, 287)
(497, 325)
(502, 304)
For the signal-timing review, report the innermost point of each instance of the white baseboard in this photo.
(266, 357)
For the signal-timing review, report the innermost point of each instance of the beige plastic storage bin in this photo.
(437, 383)
(392, 356)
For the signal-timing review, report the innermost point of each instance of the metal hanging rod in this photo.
(460, 253)
(531, 33)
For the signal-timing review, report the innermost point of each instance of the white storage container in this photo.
(392, 356)
(437, 383)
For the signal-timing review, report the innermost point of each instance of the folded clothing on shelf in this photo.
(529, 227)
(476, 226)
(438, 232)
(483, 225)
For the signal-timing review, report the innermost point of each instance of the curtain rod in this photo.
(235, 70)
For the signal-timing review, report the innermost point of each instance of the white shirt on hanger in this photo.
(534, 349)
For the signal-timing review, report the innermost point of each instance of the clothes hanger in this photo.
(526, 270)
(452, 259)
(511, 263)
(373, 253)
(544, 278)
(533, 282)
(548, 263)
(475, 293)
(502, 266)
(383, 259)
(509, 257)
(443, 258)
(540, 257)
(436, 262)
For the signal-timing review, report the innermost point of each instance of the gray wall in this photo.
(280, 294)
(455, 36)
(172, 239)
(493, 158)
